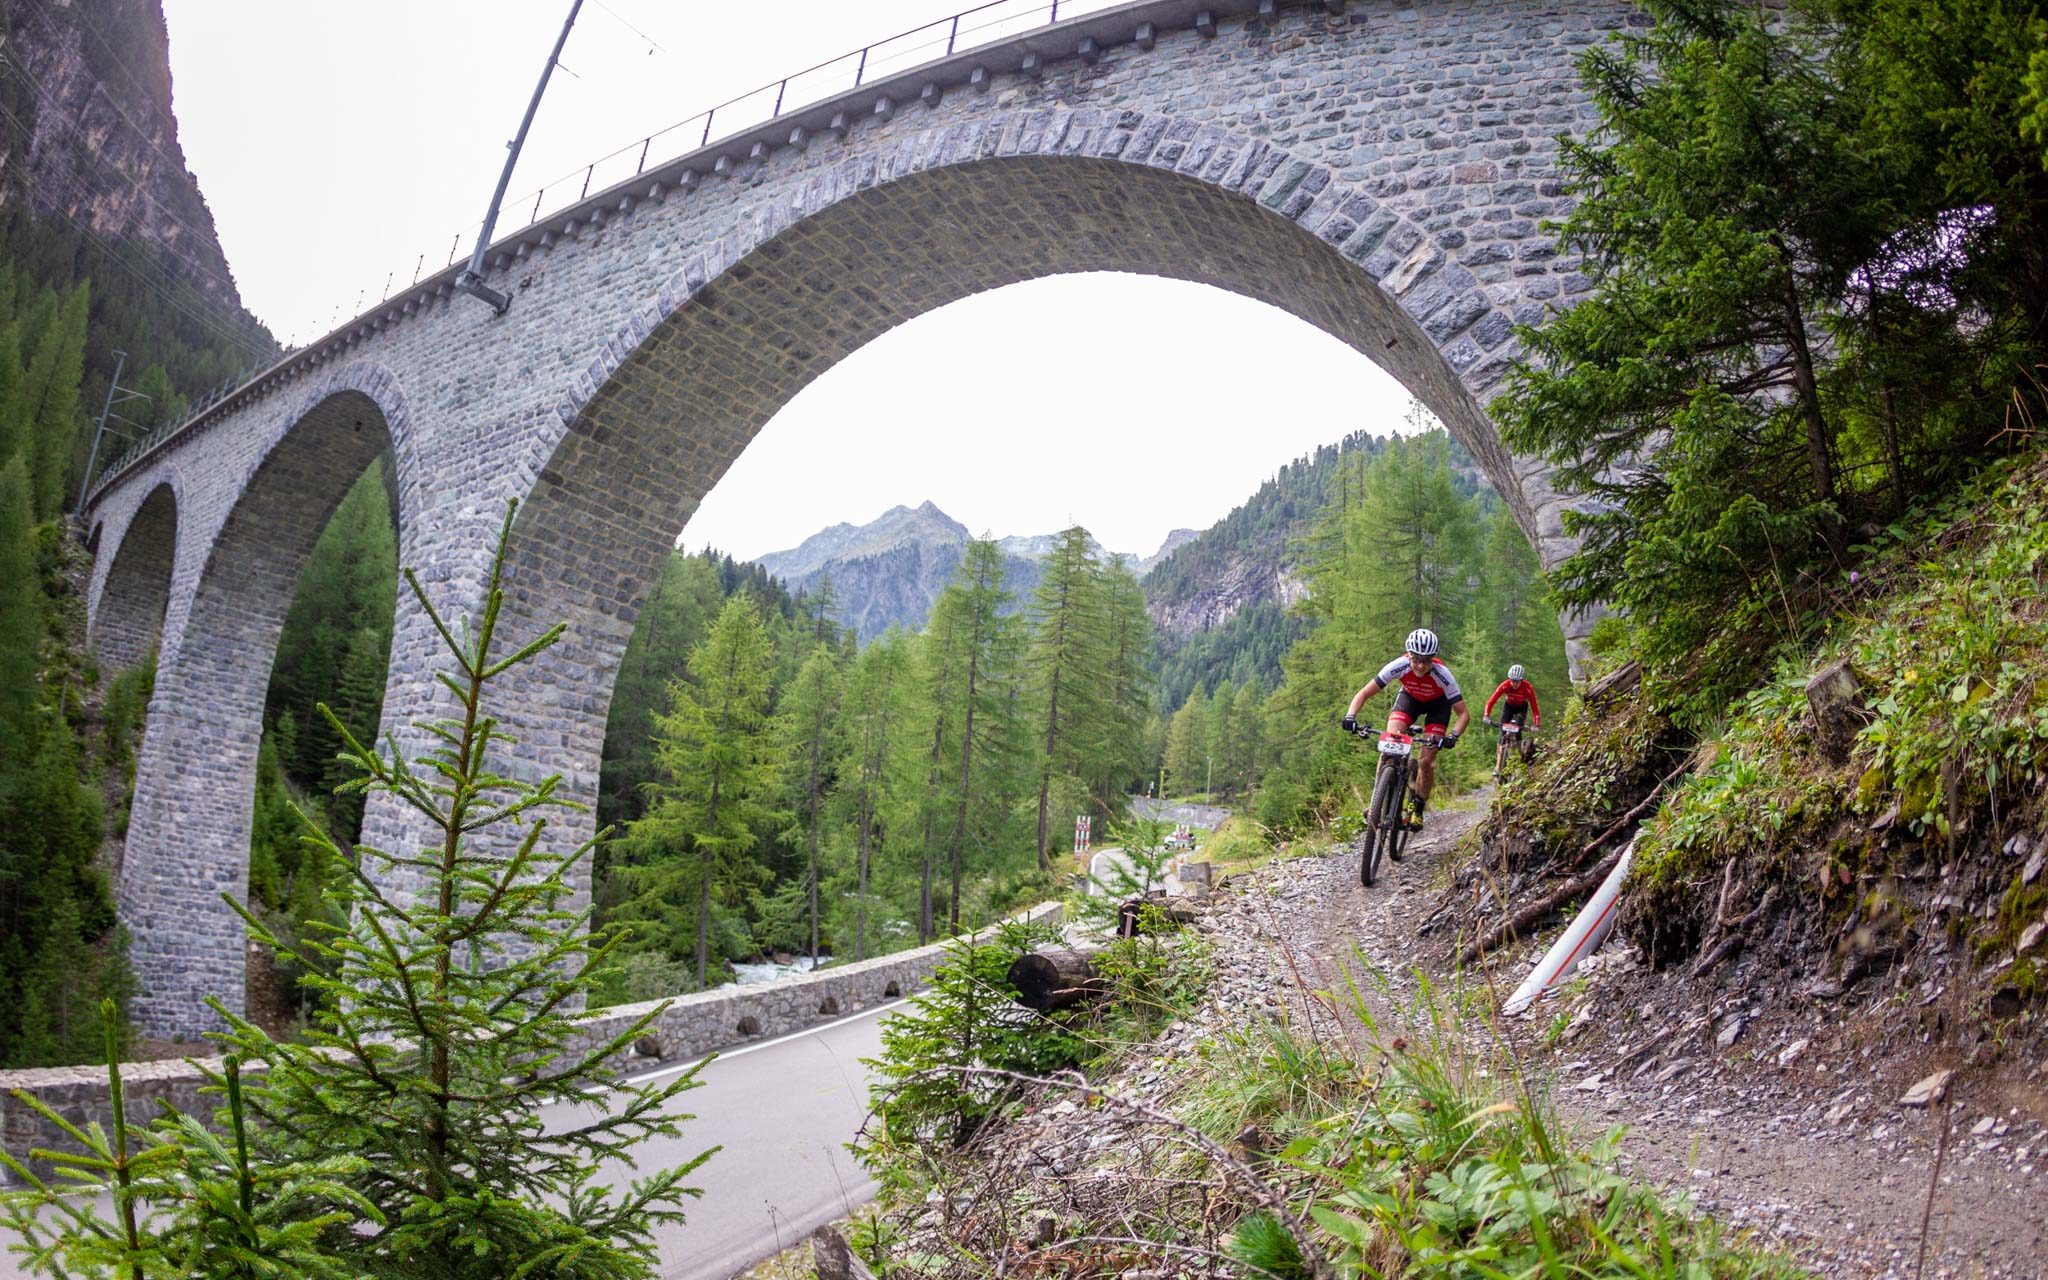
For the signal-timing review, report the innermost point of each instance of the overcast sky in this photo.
(338, 144)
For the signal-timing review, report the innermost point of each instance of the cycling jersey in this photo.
(1426, 685)
(1516, 697)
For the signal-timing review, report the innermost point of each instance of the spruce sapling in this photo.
(447, 1024)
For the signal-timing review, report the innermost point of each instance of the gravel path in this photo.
(1773, 1116)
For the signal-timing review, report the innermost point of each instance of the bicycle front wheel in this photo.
(1384, 825)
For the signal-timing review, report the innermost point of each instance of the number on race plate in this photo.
(1394, 744)
(1511, 728)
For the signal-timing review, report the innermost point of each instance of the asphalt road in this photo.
(782, 1110)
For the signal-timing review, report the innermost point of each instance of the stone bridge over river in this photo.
(1378, 169)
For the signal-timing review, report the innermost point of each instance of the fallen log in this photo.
(1131, 914)
(1620, 680)
(1541, 908)
(1626, 818)
(1052, 976)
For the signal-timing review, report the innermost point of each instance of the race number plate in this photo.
(1511, 728)
(1395, 744)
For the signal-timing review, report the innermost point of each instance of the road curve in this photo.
(782, 1110)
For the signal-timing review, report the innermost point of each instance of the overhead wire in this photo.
(654, 45)
(77, 131)
(157, 284)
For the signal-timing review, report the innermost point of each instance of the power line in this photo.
(44, 100)
(158, 285)
(50, 14)
(655, 45)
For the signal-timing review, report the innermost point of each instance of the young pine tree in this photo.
(446, 1031)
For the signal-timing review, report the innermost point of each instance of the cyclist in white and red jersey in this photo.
(1430, 693)
(1521, 707)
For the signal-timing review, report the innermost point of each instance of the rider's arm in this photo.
(1371, 690)
(1461, 716)
(1535, 712)
(1497, 692)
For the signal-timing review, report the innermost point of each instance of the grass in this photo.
(1432, 1156)
(1946, 631)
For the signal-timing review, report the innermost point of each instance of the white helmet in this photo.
(1515, 673)
(1422, 641)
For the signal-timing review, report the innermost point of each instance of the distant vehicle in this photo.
(1182, 838)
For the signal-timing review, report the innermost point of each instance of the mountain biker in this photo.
(1521, 707)
(1429, 692)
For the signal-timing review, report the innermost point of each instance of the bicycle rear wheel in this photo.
(1397, 842)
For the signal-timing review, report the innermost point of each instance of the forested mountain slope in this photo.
(105, 245)
(93, 186)
(1220, 599)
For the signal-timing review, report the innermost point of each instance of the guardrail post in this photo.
(953, 36)
(779, 91)
(862, 69)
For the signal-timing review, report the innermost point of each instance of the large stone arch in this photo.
(749, 319)
(132, 595)
(188, 837)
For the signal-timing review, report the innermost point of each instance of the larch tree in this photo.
(49, 404)
(810, 707)
(1124, 752)
(1065, 655)
(969, 620)
(716, 766)
(874, 711)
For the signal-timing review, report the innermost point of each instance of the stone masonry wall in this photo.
(692, 1026)
(1382, 172)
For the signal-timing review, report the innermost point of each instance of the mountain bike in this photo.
(1509, 747)
(1386, 834)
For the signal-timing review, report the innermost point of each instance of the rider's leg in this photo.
(1425, 773)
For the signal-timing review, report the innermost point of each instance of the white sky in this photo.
(337, 143)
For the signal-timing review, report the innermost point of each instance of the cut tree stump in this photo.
(833, 1259)
(1052, 976)
(1836, 699)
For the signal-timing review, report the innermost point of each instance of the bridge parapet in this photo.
(693, 1025)
(881, 84)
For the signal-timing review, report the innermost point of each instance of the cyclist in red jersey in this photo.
(1521, 707)
(1429, 692)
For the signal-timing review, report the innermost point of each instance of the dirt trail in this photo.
(1788, 1129)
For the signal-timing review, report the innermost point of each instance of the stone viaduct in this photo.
(1380, 169)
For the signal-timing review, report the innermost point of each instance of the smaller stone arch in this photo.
(894, 991)
(829, 1007)
(135, 592)
(749, 1025)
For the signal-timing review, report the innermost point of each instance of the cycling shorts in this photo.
(1518, 712)
(1435, 713)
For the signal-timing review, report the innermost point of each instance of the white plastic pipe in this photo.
(1588, 931)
